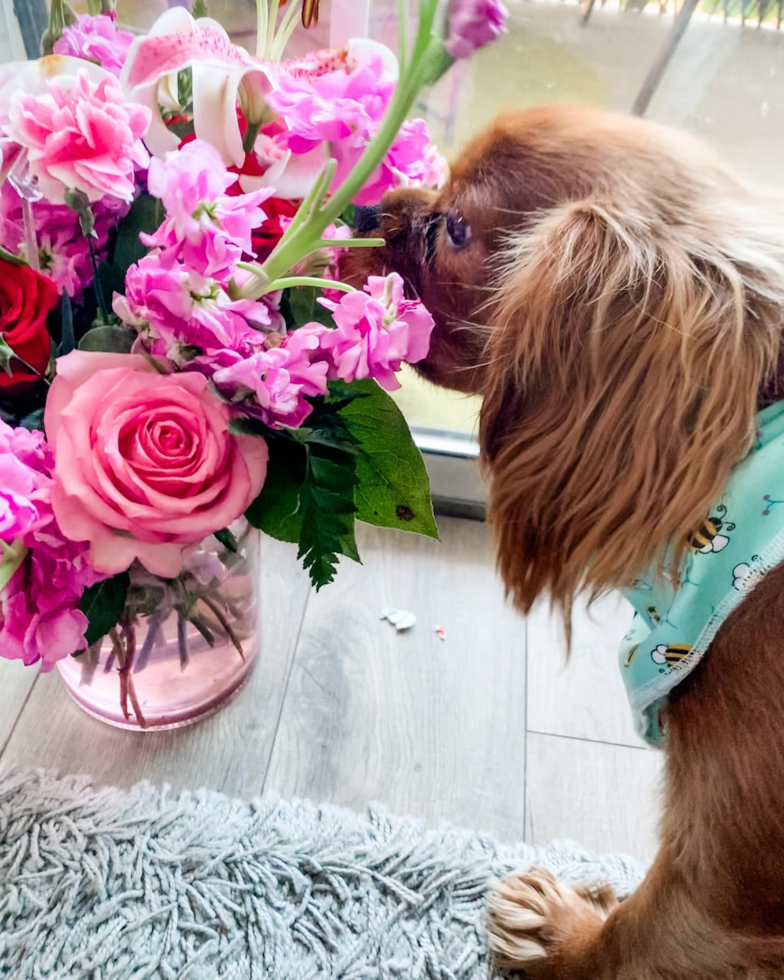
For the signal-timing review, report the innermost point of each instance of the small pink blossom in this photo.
(376, 331)
(205, 227)
(39, 618)
(474, 24)
(179, 314)
(272, 385)
(96, 39)
(82, 136)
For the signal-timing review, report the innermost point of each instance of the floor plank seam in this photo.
(590, 741)
(7, 742)
(289, 672)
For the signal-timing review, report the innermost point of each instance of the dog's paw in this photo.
(541, 926)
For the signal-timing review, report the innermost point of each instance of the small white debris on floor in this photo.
(441, 633)
(399, 618)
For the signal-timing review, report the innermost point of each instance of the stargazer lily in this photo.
(224, 76)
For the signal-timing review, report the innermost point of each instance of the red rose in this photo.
(26, 297)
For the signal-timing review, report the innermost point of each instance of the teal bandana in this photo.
(736, 546)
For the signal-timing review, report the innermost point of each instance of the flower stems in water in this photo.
(220, 616)
(125, 650)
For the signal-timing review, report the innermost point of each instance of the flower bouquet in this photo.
(180, 362)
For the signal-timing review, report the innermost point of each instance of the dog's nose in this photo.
(367, 219)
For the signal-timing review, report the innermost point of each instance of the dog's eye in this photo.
(458, 230)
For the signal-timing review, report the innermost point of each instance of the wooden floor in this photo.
(489, 729)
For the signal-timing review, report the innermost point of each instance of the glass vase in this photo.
(183, 648)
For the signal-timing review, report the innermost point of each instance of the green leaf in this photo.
(200, 9)
(103, 605)
(277, 510)
(328, 510)
(11, 557)
(6, 356)
(300, 307)
(349, 216)
(308, 498)
(67, 338)
(113, 339)
(393, 486)
(146, 215)
(228, 540)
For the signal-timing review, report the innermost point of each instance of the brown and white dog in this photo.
(617, 297)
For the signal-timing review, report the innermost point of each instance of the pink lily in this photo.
(224, 74)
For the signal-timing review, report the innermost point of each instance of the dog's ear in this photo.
(623, 371)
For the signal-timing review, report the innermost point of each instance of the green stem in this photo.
(306, 237)
(106, 314)
(290, 281)
(353, 242)
(250, 136)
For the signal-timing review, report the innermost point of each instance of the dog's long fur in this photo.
(621, 307)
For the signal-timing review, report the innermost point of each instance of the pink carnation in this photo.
(96, 39)
(344, 109)
(474, 24)
(63, 254)
(376, 331)
(39, 618)
(205, 227)
(80, 136)
(179, 315)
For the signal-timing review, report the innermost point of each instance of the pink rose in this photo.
(144, 462)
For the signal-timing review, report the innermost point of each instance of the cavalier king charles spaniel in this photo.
(616, 295)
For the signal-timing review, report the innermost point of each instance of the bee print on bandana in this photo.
(747, 575)
(711, 535)
(670, 654)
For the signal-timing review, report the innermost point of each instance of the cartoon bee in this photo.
(672, 653)
(745, 576)
(707, 538)
(654, 615)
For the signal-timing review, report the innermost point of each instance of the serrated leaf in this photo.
(112, 339)
(103, 605)
(328, 510)
(146, 215)
(393, 486)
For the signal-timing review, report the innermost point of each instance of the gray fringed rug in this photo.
(119, 885)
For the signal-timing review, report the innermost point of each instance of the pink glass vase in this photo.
(183, 647)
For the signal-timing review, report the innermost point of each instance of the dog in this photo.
(616, 295)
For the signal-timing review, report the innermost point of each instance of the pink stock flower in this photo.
(474, 24)
(179, 315)
(205, 227)
(144, 463)
(96, 39)
(376, 331)
(80, 135)
(39, 619)
(63, 254)
(272, 385)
